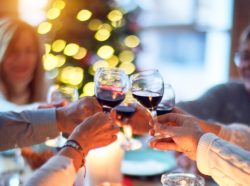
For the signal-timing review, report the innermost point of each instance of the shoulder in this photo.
(227, 87)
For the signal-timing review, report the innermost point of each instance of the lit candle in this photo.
(104, 164)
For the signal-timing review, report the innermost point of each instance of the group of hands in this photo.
(92, 128)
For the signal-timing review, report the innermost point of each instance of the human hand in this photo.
(139, 121)
(70, 116)
(96, 131)
(184, 131)
(53, 104)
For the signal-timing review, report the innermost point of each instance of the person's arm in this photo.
(207, 106)
(228, 164)
(96, 131)
(27, 128)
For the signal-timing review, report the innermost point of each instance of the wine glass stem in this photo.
(127, 132)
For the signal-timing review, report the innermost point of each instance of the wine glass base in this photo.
(133, 144)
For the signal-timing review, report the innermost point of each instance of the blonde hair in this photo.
(9, 32)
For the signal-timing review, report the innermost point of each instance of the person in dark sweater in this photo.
(229, 102)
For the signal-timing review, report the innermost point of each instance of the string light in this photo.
(94, 24)
(44, 27)
(105, 51)
(71, 49)
(82, 52)
(132, 41)
(115, 15)
(126, 56)
(53, 13)
(58, 45)
(84, 15)
(72, 75)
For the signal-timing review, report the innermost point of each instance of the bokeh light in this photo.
(53, 13)
(82, 52)
(100, 64)
(88, 89)
(132, 41)
(59, 4)
(105, 51)
(58, 45)
(44, 27)
(49, 62)
(61, 59)
(113, 61)
(126, 56)
(115, 15)
(94, 24)
(72, 75)
(102, 34)
(47, 48)
(71, 49)
(129, 68)
(84, 15)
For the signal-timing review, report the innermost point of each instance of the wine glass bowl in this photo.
(147, 87)
(111, 86)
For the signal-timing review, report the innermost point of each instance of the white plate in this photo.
(147, 162)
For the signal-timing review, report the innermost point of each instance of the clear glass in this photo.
(56, 94)
(124, 112)
(111, 86)
(182, 179)
(165, 106)
(147, 87)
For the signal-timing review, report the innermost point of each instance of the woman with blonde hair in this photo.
(22, 80)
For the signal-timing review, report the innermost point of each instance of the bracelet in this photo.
(75, 145)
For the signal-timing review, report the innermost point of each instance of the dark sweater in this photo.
(225, 103)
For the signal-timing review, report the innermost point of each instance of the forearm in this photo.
(26, 128)
(226, 163)
(59, 170)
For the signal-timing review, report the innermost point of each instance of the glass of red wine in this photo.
(147, 87)
(111, 86)
(124, 112)
(168, 100)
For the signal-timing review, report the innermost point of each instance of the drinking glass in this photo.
(124, 112)
(182, 179)
(65, 94)
(111, 86)
(168, 100)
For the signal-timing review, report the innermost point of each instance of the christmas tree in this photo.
(82, 36)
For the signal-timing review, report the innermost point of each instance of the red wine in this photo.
(109, 97)
(163, 109)
(124, 112)
(148, 99)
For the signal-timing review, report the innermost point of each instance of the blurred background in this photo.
(191, 42)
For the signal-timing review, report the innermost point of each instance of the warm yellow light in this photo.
(71, 49)
(58, 45)
(113, 61)
(49, 62)
(82, 52)
(72, 75)
(132, 41)
(126, 56)
(91, 70)
(59, 4)
(84, 15)
(53, 13)
(94, 24)
(129, 68)
(100, 64)
(102, 35)
(88, 89)
(106, 26)
(115, 15)
(105, 51)
(44, 27)
(47, 48)
(61, 59)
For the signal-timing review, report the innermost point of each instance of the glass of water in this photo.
(182, 179)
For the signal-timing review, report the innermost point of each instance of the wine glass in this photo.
(124, 112)
(182, 179)
(57, 94)
(148, 88)
(111, 86)
(168, 100)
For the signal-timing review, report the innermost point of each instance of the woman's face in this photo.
(20, 62)
(244, 66)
